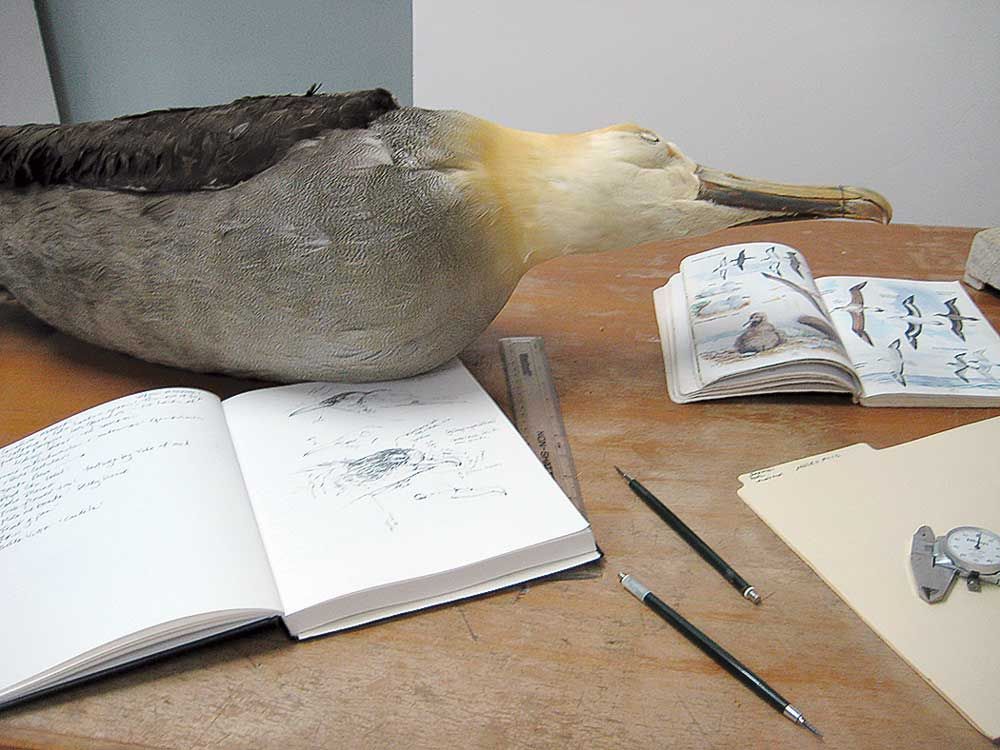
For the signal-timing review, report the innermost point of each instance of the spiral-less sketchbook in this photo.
(169, 516)
(751, 319)
(851, 514)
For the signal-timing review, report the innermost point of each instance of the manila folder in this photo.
(850, 514)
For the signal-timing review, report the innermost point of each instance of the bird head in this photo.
(625, 185)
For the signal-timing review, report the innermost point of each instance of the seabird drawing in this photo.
(759, 336)
(773, 261)
(856, 307)
(353, 401)
(915, 321)
(962, 362)
(896, 364)
(795, 262)
(982, 364)
(813, 299)
(372, 476)
(723, 268)
(335, 237)
(954, 317)
(742, 258)
(961, 366)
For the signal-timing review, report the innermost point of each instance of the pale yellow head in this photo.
(552, 195)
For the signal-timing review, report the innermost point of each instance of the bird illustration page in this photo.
(751, 318)
(376, 498)
(753, 306)
(913, 338)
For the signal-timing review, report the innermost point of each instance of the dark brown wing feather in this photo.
(180, 149)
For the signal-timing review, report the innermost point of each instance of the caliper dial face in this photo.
(974, 548)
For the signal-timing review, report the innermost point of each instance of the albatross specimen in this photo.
(335, 237)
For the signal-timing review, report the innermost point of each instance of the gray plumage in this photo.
(334, 237)
(759, 336)
(282, 283)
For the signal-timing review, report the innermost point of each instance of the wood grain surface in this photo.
(560, 663)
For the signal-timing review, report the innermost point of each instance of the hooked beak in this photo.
(792, 201)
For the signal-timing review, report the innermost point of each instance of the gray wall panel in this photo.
(118, 57)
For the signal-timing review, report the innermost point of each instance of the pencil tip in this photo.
(811, 728)
(625, 476)
(622, 576)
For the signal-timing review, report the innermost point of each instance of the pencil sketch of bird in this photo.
(356, 401)
(954, 317)
(759, 335)
(357, 478)
(366, 400)
(856, 308)
(335, 237)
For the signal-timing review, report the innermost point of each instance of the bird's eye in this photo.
(648, 136)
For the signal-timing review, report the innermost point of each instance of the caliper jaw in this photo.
(933, 581)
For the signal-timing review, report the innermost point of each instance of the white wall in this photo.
(25, 87)
(902, 96)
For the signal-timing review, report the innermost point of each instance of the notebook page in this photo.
(120, 519)
(358, 486)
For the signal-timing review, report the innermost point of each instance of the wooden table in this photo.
(564, 663)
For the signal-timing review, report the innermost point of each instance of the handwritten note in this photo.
(119, 526)
(65, 471)
(777, 472)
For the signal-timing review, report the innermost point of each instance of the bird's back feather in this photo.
(176, 150)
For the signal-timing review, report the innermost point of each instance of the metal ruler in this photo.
(536, 410)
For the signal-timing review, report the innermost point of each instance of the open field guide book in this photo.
(750, 319)
(169, 516)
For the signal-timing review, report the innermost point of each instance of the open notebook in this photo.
(170, 516)
(851, 515)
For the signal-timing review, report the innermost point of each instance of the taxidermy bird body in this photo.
(333, 237)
